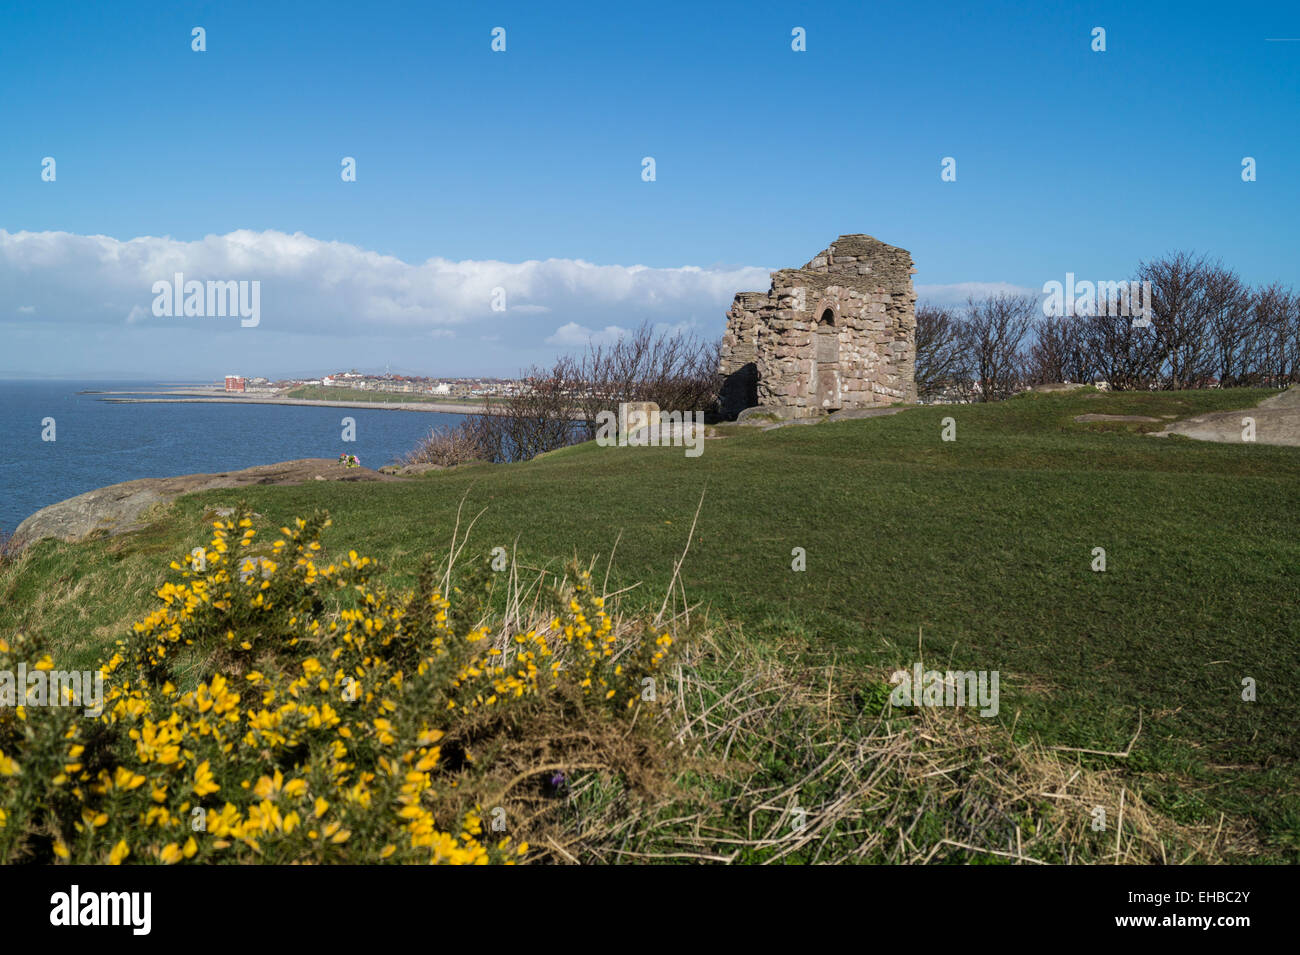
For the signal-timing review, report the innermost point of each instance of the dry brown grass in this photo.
(924, 786)
(447, 447)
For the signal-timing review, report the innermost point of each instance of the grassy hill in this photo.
(979, 551)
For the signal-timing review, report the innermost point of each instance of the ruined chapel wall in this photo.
(868, 286)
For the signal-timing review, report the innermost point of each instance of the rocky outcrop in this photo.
(411, 470)
(1084, 418)
(1055, 386)
(1275, 420)
(119, 508)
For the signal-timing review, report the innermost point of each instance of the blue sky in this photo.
(1067, 160)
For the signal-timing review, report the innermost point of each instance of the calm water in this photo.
(99, 443)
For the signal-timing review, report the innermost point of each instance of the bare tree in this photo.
(1057, 353)
(993, 333)
(1181, 318)
(1232, 333)
(1289, 332)
(1117, 350)
(677, 371)
(1078, 366)
(940, 357)
(542, 416)
(558, 406)
(1203, 322)
(1276, 325)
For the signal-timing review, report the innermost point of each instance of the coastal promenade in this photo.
(219, 396)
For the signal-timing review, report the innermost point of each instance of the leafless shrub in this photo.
(1057, 353)
(940, 359)
(474, 439)
(677, 371)
(1181, 355)
(558, 406)
(1118, 351)
(540, 417)
(992, 334)
(1233, 336)
(1205, 328)
(1275, 329)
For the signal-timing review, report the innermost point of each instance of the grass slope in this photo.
(980, 548)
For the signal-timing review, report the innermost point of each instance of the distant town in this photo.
(394, 384)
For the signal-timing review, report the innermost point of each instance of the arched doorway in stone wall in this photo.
(826, 352)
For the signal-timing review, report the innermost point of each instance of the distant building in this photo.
(236, 383)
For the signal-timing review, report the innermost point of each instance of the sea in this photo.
(97, 442)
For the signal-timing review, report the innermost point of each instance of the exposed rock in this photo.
(119, 508)
(636, 416)
(758, 415)
(1059, 386)
(411, 470)
(1276, 421)
(851, 413)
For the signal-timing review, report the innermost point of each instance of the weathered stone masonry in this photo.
(838, 333)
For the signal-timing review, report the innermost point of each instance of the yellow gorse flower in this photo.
(337, 754)
(203, 780)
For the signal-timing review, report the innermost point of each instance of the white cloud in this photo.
(82, 305)
(575, 334)
(309, 286)
(957, 293)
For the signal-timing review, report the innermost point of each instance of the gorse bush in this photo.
(281, 705)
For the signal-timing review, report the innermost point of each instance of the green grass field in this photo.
(979, 549)
(332, 393)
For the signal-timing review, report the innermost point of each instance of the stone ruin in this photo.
(836, 334)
